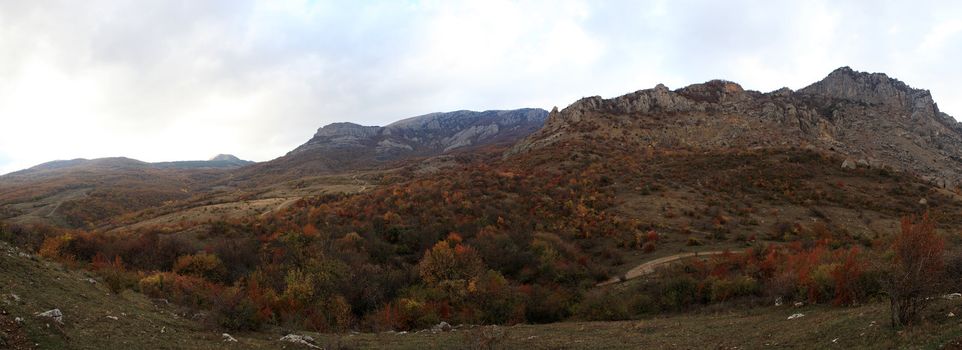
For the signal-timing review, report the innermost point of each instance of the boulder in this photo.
(848, 164)
(55, 314)
(441, 327)
(300, 339)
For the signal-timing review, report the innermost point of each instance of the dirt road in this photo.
(650, 266)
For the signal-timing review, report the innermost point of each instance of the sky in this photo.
(163, 80)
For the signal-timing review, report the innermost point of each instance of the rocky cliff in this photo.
(869, 117)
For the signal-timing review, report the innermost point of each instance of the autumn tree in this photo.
(202, 265)
(450, 264)
(915, 270)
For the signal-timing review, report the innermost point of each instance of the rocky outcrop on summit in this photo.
(428, 134)
(348, 146)
(869, 117)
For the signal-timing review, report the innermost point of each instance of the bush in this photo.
(234, 311)
(730, 288)
(185, 290)
(676, 293)
(604, 306)
(203, 265)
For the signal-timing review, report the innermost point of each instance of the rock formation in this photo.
(868, 117)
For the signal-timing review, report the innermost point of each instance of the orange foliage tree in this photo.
(916, 268)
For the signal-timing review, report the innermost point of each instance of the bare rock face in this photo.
(871, 118)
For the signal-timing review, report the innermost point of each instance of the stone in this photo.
(300, 339)
(848, 164)
(55, 314)
(923, 201)
(441, 327)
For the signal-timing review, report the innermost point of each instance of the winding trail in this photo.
(649, 267)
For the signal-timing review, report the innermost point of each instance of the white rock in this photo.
(55, 314)
(300, 339)
(441, 327)
(794, 316)
(228, 338)
(951, 314)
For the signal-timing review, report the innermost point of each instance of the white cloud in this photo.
(168, 80)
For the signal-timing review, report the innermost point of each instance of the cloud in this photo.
(170, 80)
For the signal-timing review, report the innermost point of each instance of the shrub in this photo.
(185, 290)
(203, 265)
(604, 306)
(234, 311)
(729, 288)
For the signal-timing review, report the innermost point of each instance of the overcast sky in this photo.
(177, 80)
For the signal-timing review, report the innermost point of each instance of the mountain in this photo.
(222, 161)
(868, 117)
(79, 192)
(342, 147)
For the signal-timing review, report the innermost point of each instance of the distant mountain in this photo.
(220, 161)
(868, 117)
(348, 146)
(79, 192)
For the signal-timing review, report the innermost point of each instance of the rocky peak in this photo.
(872, 88)
(715, 91)
(347, 129)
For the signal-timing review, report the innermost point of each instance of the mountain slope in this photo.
(80, 192)
(342, 147)
(871, 118)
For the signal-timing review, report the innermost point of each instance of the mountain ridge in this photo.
(868, 117)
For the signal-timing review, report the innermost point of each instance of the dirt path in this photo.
(650, 266)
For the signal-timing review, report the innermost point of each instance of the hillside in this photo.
(869, 118)
(80, 192)
(33, 285)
